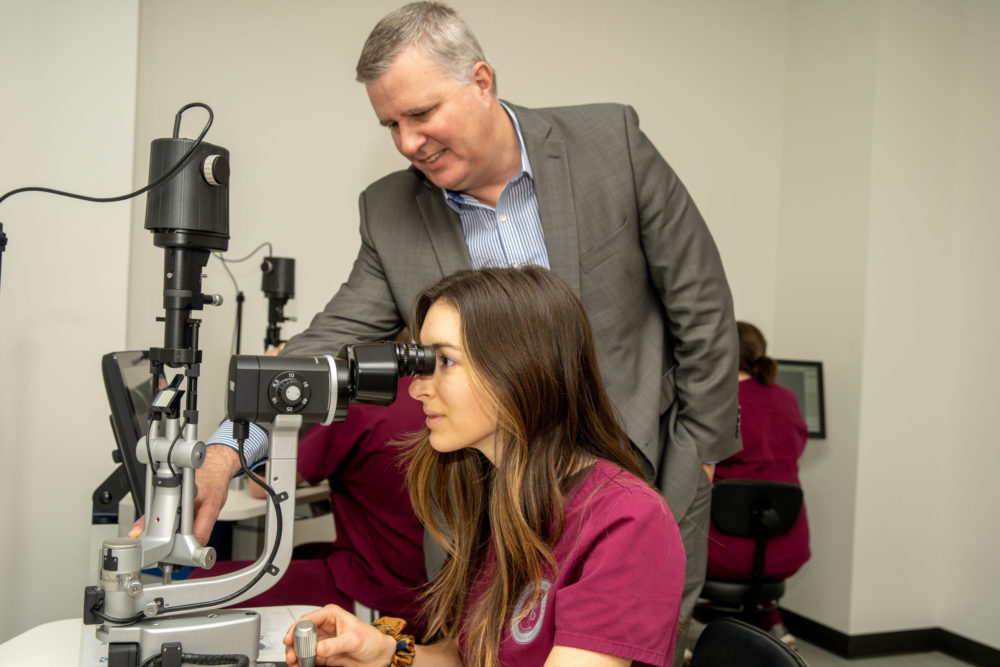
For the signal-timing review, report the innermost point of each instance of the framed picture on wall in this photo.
(805, 379)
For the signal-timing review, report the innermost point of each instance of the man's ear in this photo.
(482, 77)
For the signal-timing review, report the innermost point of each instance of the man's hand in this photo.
(273, 351)
(709, 469)
(212, 480)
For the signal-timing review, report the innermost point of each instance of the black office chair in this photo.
(758, 510)
(726, 642)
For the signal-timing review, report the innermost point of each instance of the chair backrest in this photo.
(728, 641)
(755, 508)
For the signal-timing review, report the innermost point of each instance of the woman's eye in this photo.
(445, 361)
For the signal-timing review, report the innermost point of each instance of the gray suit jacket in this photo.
(622, 231)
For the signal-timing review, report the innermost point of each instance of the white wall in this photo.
(899, 564)
(883, 275)
(842, 151)
(928, 299)
(820, 287)
(67, 112)
(969, 394)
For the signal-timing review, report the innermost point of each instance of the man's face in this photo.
(440, 125)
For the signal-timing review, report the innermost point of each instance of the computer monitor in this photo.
(128, 383)
(805, 379)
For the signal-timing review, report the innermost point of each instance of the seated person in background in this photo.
(377, 558)
(774, 437)
(560, 553)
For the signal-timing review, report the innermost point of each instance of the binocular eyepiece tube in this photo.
(320, 388)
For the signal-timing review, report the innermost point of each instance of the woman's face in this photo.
(455, 415)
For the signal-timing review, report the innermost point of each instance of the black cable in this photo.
(237, 325)
(253, 252)
(233, 659)
(3, 243)
(170, 451)
(274, 549)
(224, 261)
(149, 451)
(96, 611)
(146, 188)
(275, 501)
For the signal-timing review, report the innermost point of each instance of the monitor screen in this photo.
(129, 386)
(805, 379)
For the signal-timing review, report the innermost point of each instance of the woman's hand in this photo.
(343, 639)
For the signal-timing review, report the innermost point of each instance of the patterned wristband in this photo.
(404, 643)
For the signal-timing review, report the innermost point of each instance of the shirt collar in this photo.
(453, 196)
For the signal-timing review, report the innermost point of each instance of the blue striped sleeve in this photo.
(254, 448)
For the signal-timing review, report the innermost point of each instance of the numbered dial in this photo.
(289, 392)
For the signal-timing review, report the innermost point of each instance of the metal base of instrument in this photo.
(214, 632)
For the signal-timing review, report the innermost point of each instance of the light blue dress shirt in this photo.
(508, 235)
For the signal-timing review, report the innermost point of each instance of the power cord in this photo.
(234, 347)
(173, 170)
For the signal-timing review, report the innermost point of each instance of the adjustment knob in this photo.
(215, 169)
(304, 643)
(204, 557)
(289, 392)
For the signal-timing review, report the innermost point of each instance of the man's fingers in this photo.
(137, 527)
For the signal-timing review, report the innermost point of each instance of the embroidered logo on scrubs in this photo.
(525, 630)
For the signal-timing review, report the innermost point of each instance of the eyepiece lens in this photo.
(415, 359)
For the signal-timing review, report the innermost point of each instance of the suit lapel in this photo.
(443, 229)
(554, 192)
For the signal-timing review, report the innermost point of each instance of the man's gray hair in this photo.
(436, 29)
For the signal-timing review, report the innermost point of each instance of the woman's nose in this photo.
(420, 387)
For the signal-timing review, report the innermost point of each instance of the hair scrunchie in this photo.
(404, 643)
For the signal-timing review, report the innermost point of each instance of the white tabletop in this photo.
(52, 643)
(240, 504)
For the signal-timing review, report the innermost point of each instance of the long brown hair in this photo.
(530, 349)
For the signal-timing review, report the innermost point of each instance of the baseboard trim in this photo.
(889, 643)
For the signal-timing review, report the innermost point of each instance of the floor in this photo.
(817, 657)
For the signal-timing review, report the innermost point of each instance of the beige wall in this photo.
(67, 106)
(898, 564)
(970, 395)
(820, 286)
(938, 72)
(843, 153)
(886, 196)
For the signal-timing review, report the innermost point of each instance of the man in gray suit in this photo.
(580, 190)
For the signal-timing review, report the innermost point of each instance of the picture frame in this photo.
(805, 379)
